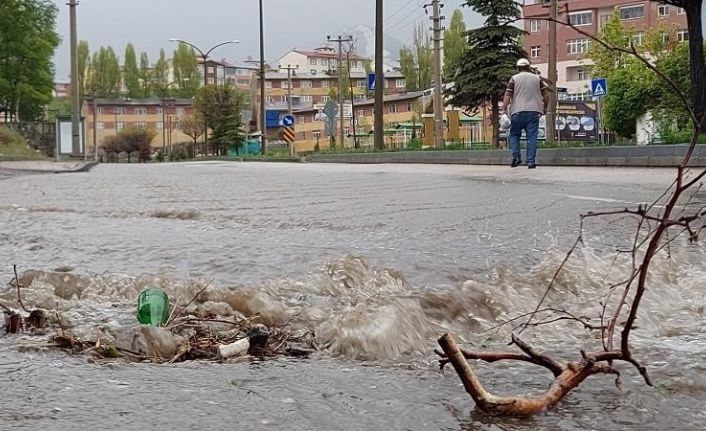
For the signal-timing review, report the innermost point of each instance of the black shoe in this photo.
(516, 162)
(531, 166)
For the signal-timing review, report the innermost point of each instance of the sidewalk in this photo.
(47, 166)
(650, 156)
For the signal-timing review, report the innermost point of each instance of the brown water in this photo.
(377, 261)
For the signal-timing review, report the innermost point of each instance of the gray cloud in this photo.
(303, 24)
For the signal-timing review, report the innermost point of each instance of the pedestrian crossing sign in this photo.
(599, 87)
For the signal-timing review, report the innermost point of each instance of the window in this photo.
(400, 83)
(680, 11)
(268, 84)
(159, 111)
(582, 74)
(409, 107)
(663, 10)
(285, 84)
(312, 61)
(333, 62)
(325, 84)
(535, 51)
(317, 134)
(141, 125)
(638, 39)
(140, 111)
(100, 125)
(301, 119)
(577, 46)
(392, 109)
(211, 70)
(632, 12)
(211, 81)
(535, 26)
(160, 125)
(361, 84)
(360, 113)
(301, 136)
(119, 110)
(101, 110)
(581, 18)
(579, 97)
(305, 84)
(682, 36)
(307, 98)
(325, 98)
(120, 126)
(347, 131)
(180, 111)
(360, 97)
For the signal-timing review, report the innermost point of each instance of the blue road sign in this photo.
(371, 81)
(288, 120)
(599, 87)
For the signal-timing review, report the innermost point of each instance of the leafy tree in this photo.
(146, 87)
(27, 43)
(105, 74)
(84, 59)
(160, 78)
(221, 107)
(131, 74)
(454, 41)
(129, 141)
(186, 70)
(482, 74)
(191, 126)
(417, 62)
(59, 106)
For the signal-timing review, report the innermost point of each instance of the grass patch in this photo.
(14, 147)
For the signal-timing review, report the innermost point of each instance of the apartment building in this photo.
(106, 117)
(320, 61)
(573, 65)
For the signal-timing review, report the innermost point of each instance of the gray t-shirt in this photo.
(526, 89)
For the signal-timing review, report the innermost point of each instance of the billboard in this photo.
(576, 121)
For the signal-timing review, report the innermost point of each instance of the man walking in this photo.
(525, 100)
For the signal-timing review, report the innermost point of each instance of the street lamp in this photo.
(204, 57)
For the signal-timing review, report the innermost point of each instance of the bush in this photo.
(129, 141)
(14, 147)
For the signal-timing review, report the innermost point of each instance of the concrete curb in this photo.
(48, 167)
(650, 156)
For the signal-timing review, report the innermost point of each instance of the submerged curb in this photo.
(48, 167)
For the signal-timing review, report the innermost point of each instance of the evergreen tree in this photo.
(482, 74)
(146, 87)
(186, 71)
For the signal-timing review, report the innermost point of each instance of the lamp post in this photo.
(204, 57)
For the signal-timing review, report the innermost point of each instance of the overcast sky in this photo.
(301, 24)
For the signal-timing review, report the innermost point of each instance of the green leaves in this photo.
(221, 107)
(417, 63)
(27, 43)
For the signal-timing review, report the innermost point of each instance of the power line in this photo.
(393, 14)
(415, 14)
(400, 25)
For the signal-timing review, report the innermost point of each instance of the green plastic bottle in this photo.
(153, 307)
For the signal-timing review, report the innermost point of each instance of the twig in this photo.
(181, 310)
(17, 284)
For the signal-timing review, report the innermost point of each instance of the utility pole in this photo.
(263, 111)
(289, 69)
(438, 98)
(340, 41)
(75, 91)
(379, 77)
(550, 128)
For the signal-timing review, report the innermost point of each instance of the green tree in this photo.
(455, 44)
(105, 74)
(27, 43)
(221, 107)
(482, 74)
(146, 85)
(417, 62)
(160, 78)
(131, 74)
(186, 71)
(84, 64)
(408, 67)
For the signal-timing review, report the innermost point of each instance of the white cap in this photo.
(523, 62)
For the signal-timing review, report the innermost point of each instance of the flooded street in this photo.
(377, 261)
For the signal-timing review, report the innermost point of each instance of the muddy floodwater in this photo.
(377, 261)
